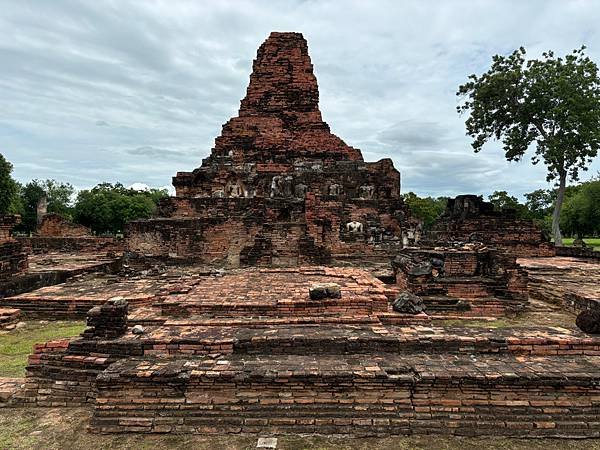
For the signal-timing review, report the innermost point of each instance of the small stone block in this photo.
(266, 443)
(325, 290)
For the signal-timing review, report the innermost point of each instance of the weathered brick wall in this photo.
(57, 226)
(269, 231)
(58, 377)
(204, 397)
(578, 252)
(81, 244)
(13, 257)
(7, 223)
(13, 260)
(468, 274)
(469, 219)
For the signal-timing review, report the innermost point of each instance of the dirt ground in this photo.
(65, 428)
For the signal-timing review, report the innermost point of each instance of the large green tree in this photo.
(428, 209)
(58, 194)
(581, 215)
(107, 208)
(552, 103)
(8, 187)
(539, 203)
(502, 200)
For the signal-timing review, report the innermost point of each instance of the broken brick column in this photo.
(13, 259)
(107, 321)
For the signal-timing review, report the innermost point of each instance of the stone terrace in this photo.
(280, 292)
(351, 379)
(74, 298)
(247, 351)
(55, 268)
(569, 282)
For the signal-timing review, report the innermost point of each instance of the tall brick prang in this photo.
(278, 187)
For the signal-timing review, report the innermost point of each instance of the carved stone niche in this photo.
(281, 186)
(335, 190)
(411, 236)
(353, 231)
(366, 192)
(234, 189)
(354, 227)
(300, 190)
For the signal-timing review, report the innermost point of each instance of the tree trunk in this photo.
(557, 207)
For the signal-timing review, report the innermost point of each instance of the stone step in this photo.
(355, 394)
(484, 306)
(342, 339)
(228, 307)
(262, 321)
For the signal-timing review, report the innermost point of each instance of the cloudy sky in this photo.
(134, 91)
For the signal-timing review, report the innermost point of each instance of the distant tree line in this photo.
(105, 208)
(580, 212)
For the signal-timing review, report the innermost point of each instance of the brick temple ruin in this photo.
(278, 187)
(270, 296)
(469, 219)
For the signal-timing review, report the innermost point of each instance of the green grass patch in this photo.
(16, 345)
(592, 242)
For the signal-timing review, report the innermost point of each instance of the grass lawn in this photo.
(595, 242)
(17, 344)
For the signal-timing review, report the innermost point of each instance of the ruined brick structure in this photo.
(56, 225)
(312, 348)
(13, 259)
(278, 188)
(472, 279)
(55, 234)
(470, 219)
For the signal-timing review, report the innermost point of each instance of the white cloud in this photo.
(135, 91)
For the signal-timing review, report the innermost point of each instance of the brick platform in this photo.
(569, 282)
(75, 298)
(357, 394)
(55, 268)
(9, 317)
(348, 379)
(281, 293)
(243, 351)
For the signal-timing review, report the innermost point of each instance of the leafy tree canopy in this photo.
(552, 103)
(59, 196)
(581, 215)
(107, 207)
(8, 187)
(428, 209)
(502, 200)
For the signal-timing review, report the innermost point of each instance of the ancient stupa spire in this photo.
(282, 80)
(279, 119)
